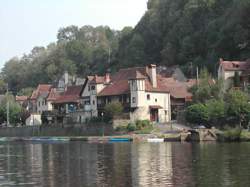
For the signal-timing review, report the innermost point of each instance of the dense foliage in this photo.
(16, 113)
(185, 32)
(80, 51)
(213, 107)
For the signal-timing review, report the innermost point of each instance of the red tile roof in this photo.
(120, 85)
(235, 65)
(42, 88)
(53, 95)
(71, 95)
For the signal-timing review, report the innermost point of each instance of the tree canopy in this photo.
(171, 32)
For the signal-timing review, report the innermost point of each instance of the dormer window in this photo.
(148, 96)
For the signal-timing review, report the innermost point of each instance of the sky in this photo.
(28, 23)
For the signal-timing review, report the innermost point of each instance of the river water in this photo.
(76, 164)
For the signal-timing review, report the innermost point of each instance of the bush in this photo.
(141, 124)
(121, 129)
(131, 127)
(197, 114)
(113, 109)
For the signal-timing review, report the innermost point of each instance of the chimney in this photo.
(151, 71)
(66, 78)
(107, 78)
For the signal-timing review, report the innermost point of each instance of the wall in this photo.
(77, 130)
(159, 99)
(34, 119)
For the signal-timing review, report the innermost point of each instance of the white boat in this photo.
(155, 140)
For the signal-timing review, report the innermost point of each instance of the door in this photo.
(154, 115)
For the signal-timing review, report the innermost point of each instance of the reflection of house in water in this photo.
(152, 165)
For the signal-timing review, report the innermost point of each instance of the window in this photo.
(120, 98)
(148, 96)
(156, 100)
(133, 99)
(93, 102)
(109, 100)
(39, 104)
(89, 88)
(92, 87)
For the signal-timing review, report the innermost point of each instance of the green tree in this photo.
(238, 108)
(14, 110)
(197, 114)
(216, 112)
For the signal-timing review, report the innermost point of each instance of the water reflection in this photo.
(124, 164)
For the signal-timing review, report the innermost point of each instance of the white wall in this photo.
(44, 106)
(227, 77)
(156, 99)
(34, 119)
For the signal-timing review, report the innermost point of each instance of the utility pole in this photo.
(109, 55)
(8, 106)
(192, 73)
(197, 75)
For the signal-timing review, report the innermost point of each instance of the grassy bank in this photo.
(233, 135)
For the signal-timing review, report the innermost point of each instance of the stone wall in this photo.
(66, 130)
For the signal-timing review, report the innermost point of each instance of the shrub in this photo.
(197, 114)
(141, 124)
(131, 127)
(113, 109)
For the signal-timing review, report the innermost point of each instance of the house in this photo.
(38, 100)
(172, 72)
(139, 89)
(227, 71)
(23, 101)
(68, 102)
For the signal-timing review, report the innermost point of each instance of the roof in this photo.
(71, 95)
(21, 98)
(41, 89)
(97, 79)
(235, 65)
(137, 75)
(119, 84)
(53, 95)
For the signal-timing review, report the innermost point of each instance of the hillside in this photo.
(171, 32)
(183, 31)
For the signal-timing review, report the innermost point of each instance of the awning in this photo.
(155, 107)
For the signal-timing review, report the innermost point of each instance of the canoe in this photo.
(155, 140)
(120, 140)
(49, 139)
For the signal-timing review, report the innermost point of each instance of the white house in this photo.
(228, 69)
(140, 90)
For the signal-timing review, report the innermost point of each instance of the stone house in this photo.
(228, 69)
(140, 90)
